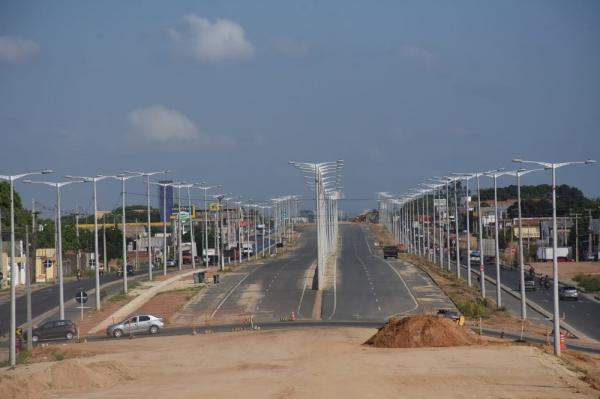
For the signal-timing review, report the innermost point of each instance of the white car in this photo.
(135, 325)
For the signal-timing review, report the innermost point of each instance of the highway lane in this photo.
(366, 287)
(583, 314)
(266, 291)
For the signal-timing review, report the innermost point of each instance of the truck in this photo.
(545, 253)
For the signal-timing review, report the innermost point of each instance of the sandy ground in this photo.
(568, 270)
(326, 363)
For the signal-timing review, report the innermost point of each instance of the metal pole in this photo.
(521, 262)
(555, 267)
(164, 230)
(481, 263)
(96, 255)
(468, 232)
(28, 282)
(150, 260)
(61, 296)
(456, 229)
(192, 240)
(13, 273)
(449, 257)
(179, 228)
(496, 222)
(124, 230)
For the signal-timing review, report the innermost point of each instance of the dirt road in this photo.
(326, 363)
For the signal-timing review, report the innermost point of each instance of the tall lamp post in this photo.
(61, 305)
(518, 174)
(13, 321)
(205, 188)
(164, 256)
(553, 166)
(93, 180)
(467, 177)
(147, 175)
(495, 174)
(123, 177)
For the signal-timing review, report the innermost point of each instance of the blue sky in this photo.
(228, 92)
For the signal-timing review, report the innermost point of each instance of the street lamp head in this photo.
(517, 160)
(47, 171)
(589, 161)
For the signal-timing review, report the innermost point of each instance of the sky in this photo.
(228, 92)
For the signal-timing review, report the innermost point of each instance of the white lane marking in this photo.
(228, 294)
(301, 297)
(408, 289)
(368, 246)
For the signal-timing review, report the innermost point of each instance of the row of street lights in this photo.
(123, 177)
(401, 214)
(325, 179)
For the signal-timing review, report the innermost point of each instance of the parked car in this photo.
(568, 292)
(135, 325)
(129, 271)
(54, 329)
(390, 251)
(171, 263)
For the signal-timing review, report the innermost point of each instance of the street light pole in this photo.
(93, 180)
(124, 177)
(149, 247)
(61, 305)
(13, 271)
(556, 315)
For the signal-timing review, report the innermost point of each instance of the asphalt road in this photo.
(45, 299)
(366, 287)
(267, 291)
(583, 314)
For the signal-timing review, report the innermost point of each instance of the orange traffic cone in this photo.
(293, 316)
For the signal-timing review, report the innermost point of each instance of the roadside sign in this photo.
(214, 206)
(81, 297)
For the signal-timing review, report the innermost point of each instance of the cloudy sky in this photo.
(230, 91)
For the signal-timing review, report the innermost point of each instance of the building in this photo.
(168, 192)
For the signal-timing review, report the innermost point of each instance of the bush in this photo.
(588, 282)
(479, 307)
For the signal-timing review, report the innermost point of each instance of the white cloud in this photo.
(213, 42)
(158, 124)
(420, 54)
(15, 49)
(290, 47)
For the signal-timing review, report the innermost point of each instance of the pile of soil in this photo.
(66, 375)
(48, 353)
(422, 331)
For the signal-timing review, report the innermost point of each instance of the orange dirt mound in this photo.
(422, 331)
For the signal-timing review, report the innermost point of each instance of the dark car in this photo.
(54, 329)
(390, 251)
(129, 271)
(529, 283)
(171, 263)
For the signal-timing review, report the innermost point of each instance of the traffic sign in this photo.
(81, 297)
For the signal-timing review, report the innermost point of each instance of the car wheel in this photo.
(154, 330)
(117, 333)
(69, 335)
(35, 338)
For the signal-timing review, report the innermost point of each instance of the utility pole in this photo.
(1, 249)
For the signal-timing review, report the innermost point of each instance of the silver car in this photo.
(135, 325)
(568, 292)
